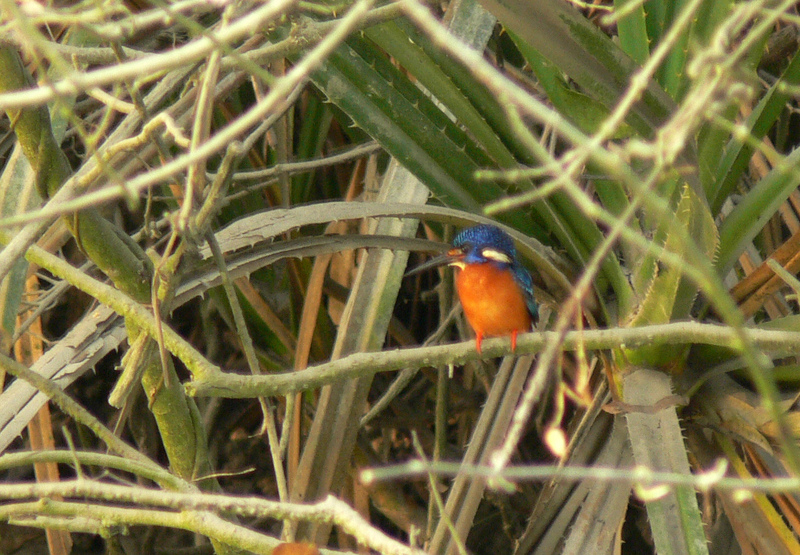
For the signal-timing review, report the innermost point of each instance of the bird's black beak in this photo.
(450, 258)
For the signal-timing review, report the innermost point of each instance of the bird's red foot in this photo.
(514, 341)
(478, 339)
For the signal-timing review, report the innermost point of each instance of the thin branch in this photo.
(148, 470)
(713, 478)
(277, 101)
(74, 409)
(361, 364)
(183, 56)
(196, 508)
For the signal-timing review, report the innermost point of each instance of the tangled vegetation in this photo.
(207, 210)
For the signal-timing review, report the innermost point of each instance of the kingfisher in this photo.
(495, 290)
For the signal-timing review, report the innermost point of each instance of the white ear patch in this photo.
(495, 255)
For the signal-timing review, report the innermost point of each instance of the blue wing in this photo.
(523, 278)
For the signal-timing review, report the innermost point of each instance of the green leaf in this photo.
(404, 122)
(414, 52)
(667, 294)
(587, 55)
(632, 30)
(672, 73)
(17, 195)
(311, 136)
(738, 152)
(479, 111)
(657, 445)
(748, 218)
(581, 109)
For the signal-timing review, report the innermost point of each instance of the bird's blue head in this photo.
(476, 245)
(483, 243)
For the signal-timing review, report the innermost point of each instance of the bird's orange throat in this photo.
(493, 302)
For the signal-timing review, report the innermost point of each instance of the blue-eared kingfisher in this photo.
(495, 290)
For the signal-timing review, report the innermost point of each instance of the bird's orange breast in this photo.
(493, 302)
